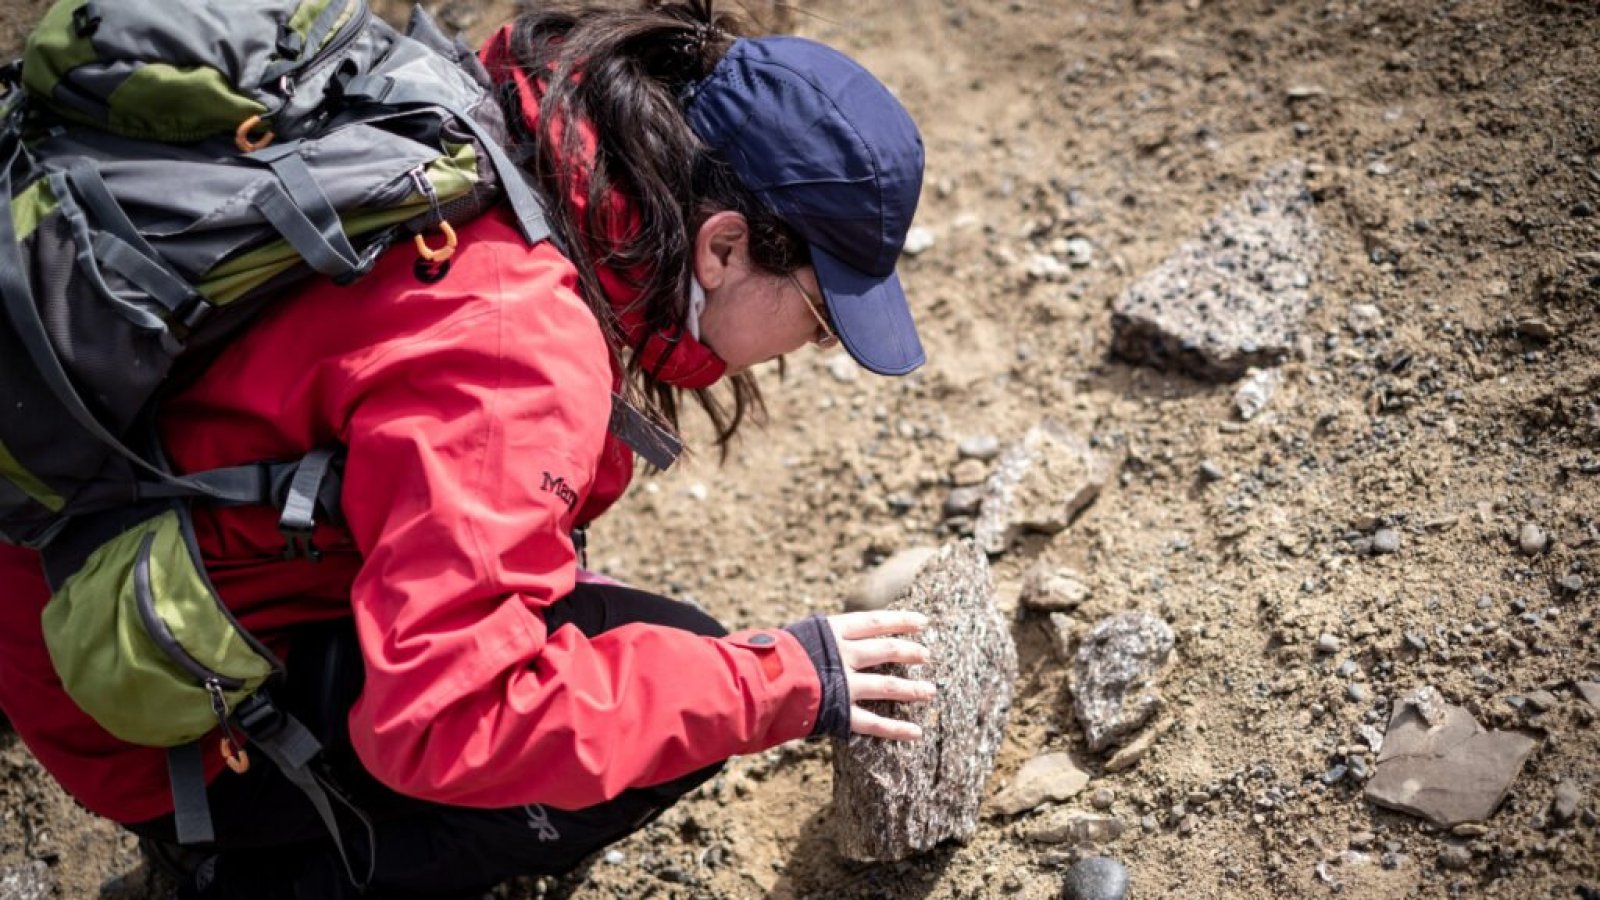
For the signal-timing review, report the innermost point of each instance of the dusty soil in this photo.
(1454, 152)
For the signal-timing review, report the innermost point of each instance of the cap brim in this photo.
(870, 314)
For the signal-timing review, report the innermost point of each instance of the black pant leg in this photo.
(261, 819)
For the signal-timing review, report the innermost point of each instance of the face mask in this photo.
(697, 305)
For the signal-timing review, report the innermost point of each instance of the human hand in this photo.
(866, 640)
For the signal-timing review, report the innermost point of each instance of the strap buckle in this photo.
(297, 541)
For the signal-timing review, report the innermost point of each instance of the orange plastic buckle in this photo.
(242, 140)
(236, 758)
(443, 253)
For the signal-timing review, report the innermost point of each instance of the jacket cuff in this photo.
(833, 714)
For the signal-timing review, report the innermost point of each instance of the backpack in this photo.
(167, 169)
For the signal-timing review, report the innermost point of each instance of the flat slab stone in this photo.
(892, 799)
(1040, 484)
(1115, 674)
(1234, 296)
(1052, 777)
(1440, 764)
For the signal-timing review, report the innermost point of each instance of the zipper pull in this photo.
(233, 752)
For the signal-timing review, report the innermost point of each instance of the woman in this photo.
(494, 711)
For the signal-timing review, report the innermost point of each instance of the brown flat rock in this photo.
(1449, 772)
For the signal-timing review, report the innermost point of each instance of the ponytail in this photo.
(627, 74)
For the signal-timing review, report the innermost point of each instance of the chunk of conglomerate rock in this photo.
(1235, 295)
(894, 799)
(1115, 674)
(1040, 484)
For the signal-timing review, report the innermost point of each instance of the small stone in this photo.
(1040, 485)
(1362, 840)
(615, 857)
(1589, 691)
(982, 447)
(843, 368)
(1051, 777)
(1385, 541)
(1103, 798)
(891, 578)
(1210, 471)
(968, 472)
(919, 240)
(1532, 540)
(1470, 830)
(1069, 827)
(1257, 390)
(1446, 769)
(1095, 878)
(1416, 641)
(1131, 755)
(1455, 858)
(1328, 643)
(1115, 673)
(1079, 252)
(1568, 799)
(1570, 584)
(963, 501)
(1365, 318)
(1542, 701)
(1045, 590)
(1356, 693)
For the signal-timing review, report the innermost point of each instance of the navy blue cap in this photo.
(828, 149)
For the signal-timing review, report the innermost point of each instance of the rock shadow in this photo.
(815, 869)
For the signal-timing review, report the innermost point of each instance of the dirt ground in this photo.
(1453, 149)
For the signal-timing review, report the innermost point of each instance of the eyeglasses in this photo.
(828, 338)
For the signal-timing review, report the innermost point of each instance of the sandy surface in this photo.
(1453, 152)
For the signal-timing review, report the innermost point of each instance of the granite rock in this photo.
(892, 799)
(1115, 673)
(1235, 295)
(28, 881)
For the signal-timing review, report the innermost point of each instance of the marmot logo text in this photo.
(560, 488)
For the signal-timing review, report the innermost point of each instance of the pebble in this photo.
(1571, 584)
(1542, 701)
(1356, 693)
(615, 857)
(981, 447)
(919, 240)
(1564, 808)
(1386, 540)
(1103, 798)
(1365, 318)
(963, 501)
(1455, 858)
(1470, 830)
(1210, 471)
(843, 368)
(1532, 540)
(968, 472)
(1328, 643)
(1096, 878)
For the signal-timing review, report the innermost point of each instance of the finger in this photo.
(874, 725)
(870, 686)
(870, 652)
(876, 623)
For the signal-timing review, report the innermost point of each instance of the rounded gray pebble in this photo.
(1096, 878)
(1386, 540)
(983, 447)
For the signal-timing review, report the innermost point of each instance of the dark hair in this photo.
(625, 72)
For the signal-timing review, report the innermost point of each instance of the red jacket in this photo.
(461, 404)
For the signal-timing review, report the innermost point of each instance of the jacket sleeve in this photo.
(469, 449)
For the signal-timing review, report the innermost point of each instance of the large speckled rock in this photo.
(1040, 484)
(1115, 674)
(1235, 295)
(28, 881)
(892, 799)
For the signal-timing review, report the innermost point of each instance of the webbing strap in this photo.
(297, 207)
(124, 249)
(30, 330)
(232, 486)
(83, 243)
(383, 90)
(291, 747)
(191, 813)
(655, 444)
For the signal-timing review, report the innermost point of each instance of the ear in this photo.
(722, 242)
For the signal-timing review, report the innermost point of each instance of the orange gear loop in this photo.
(237, 759)
(443, 253)
(241, 138)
